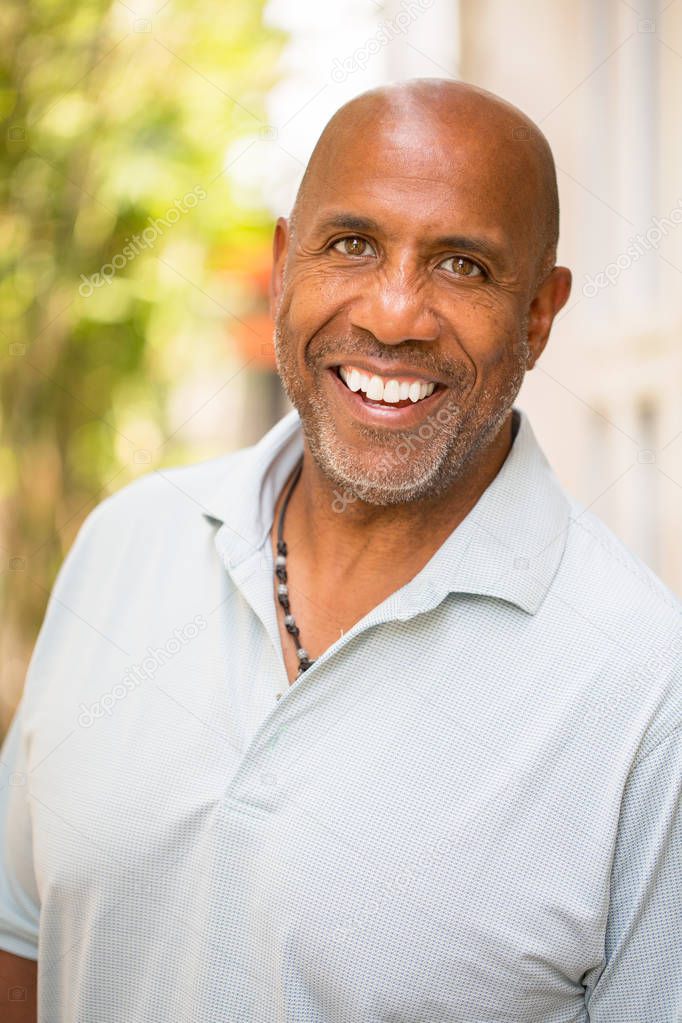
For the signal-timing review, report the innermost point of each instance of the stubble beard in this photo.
(412, 465)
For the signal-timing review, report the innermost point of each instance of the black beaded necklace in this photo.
(304, 661)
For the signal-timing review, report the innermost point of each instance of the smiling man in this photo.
(414, 286)
(371, 720)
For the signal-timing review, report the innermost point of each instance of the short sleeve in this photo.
(641, 981)
(19, 901)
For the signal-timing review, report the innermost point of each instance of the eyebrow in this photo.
(348, 221)
(462, 242)
(469, 243)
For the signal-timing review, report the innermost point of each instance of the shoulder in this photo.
(159, 517)
(631, 620)
(167, 496)
(605, 571)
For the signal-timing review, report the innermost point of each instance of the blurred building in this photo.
(604, 82)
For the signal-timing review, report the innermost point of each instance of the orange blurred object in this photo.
(254, 340)
(253, 336)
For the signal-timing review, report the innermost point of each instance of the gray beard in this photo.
(412, 465)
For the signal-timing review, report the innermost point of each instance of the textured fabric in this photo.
(466, 810)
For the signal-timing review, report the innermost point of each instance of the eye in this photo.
(464, 267)
(353, 245)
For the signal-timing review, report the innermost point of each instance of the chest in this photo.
(411, 834)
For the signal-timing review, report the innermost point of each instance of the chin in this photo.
(377, 475)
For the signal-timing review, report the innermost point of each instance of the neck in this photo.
(359, 540)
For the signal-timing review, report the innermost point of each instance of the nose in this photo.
(393, 308)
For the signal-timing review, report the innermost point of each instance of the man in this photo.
(464, 804)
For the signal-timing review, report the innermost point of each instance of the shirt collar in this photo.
(509, 546)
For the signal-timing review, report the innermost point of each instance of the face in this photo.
(405, 308)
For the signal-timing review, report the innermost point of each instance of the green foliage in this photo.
(110, 119)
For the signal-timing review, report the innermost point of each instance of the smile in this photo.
(396, 402)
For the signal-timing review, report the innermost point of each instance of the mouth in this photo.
(395, 401)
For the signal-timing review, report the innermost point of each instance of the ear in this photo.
(550, 298)
(280, 247)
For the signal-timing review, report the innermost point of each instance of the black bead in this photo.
(281, 574)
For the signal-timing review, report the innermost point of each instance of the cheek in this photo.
(489, 334)
(312, 298)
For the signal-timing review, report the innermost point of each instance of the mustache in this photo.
(458, 371)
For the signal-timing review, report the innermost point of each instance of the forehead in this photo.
(425, 179)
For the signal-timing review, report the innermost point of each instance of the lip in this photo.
(389, 418)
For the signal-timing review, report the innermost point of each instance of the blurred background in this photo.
(147, 149)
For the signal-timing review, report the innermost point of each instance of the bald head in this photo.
(505, 153)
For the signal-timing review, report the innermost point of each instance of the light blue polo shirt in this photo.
(466, 810)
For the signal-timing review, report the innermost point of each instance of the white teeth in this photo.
(378, 389)
(392, 391)
(375, 391)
